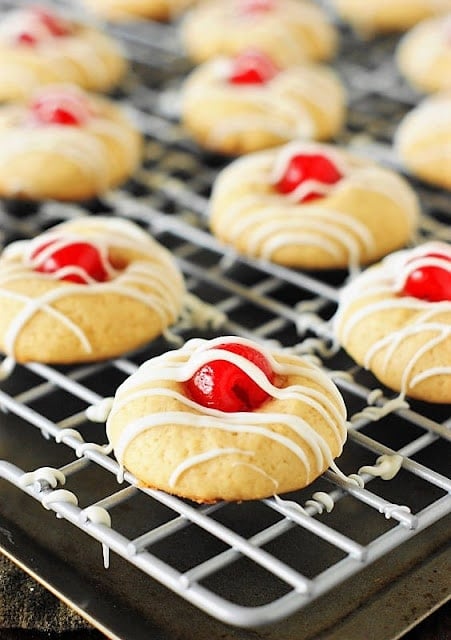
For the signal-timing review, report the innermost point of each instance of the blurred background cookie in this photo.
(38, 47)
(424, 55)
(383, 16)
(423, 140)
(242, 104)
(129, 10)
(288, 31)
(66, 145)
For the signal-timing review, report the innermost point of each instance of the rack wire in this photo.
(253, 563)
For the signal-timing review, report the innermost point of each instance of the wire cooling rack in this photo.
(247, 564)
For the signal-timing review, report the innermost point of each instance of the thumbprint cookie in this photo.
(312, 206)
(130, 10)
(65, 145)
(384, 16)
(39, 47)
(395, 320)
(227, 419)
(88, 289)
(424, 55)
(423, 140)
(288, 31)
(243, 104)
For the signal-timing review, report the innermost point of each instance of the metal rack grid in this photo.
(239, 563)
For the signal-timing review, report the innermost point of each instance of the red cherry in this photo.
(60, 107)
(308, 167)
(252, 67)
(223, 386)
(83, 255)
(252, 7)
(429, 282)
(26, 39)
(54, 24)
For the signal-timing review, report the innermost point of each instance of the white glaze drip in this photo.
(180, 366)
(100, 412)
(98, 515)
(49, 475)
(386, 467)
(59, 495)
(6, 368)
(321, 501)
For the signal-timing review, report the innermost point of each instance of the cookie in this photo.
(40, 47)
(227, 419)
(130, 10)
(395, 320)
(66, 145)
(86, 290)
(370, 17)
(312, 206)
(424, 55)
(243, 104)
(423, 140)
(288, 31)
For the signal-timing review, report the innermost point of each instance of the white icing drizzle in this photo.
(98, 515)
(290, 504)
(49, 475)
(321, 501)
(386, 467)
(180, 365)
(269, 220)
(389, 509)
(68, 433)
(146, 282)
(59, 495)
(7, 367)
(202, 457)
(284, 106)
(376, 413)
(100, 412)
(425, 317)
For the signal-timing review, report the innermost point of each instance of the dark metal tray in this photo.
(322, 575)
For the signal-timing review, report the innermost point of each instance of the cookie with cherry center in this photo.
(395, 320)
(312, 206)
(38, 46)
(288, 31)
(86, 290)
(65, 144)
(227, 419)
(239, 104)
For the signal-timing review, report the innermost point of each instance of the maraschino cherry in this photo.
(253, 7)
(252, 67)
(428, 281)
(303, 167)
(60, 107)
(223, 386)
(42, 25)
(84, 257)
